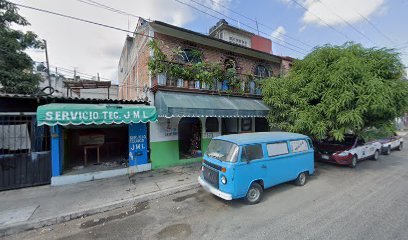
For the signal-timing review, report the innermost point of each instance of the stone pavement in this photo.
(36, 207)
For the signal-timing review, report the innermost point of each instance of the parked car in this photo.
(347, 152)
(243, 165)
(389, 144)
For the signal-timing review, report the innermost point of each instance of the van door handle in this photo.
(263, 166)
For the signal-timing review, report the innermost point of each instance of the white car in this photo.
(391, 143)
(347, 152)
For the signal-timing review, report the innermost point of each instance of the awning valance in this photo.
(175, 104)
(76, 114)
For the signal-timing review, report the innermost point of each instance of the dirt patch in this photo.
(95, 222)
(175, 231)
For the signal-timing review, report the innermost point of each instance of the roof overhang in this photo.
(206, 40)
(171, 104)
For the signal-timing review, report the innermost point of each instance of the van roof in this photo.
(260, 137)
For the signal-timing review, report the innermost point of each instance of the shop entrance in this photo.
(94, 148)
(229, 126)
(189, 130)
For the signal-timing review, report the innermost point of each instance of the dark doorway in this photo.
(111, 141)
(189, 132)
(261, 125)
(229, 126)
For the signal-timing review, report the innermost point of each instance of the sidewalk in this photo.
(36, 207)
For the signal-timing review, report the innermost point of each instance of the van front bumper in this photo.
(213, 190)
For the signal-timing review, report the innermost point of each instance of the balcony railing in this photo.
(251, 87)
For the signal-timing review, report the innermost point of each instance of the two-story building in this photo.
(202, 85)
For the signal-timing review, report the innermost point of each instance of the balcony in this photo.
(246, 88)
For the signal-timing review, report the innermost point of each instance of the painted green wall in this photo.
(166, 154)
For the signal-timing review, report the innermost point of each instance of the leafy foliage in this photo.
(205, 72)
(15, 65)
(338, 89)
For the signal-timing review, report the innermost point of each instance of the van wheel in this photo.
(400, 147)
(301, 179)
(376, 155)
(353, 162)
(254, 194)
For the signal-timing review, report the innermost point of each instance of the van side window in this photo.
(251, 152)
(310, 143)
(275, 149)
(299, 146)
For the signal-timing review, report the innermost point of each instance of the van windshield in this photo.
(222, 150)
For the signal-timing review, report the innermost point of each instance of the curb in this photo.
(30, 225)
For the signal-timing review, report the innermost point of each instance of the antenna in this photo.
(257, 28)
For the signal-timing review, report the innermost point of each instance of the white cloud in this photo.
(351, 10)
(279, 33)
(91, 48)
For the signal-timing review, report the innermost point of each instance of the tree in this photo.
(15, 65)
(337, 89)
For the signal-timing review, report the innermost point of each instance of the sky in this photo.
(294, 26)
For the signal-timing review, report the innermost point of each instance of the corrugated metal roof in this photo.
(71, 99)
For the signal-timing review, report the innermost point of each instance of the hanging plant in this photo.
(196, 70)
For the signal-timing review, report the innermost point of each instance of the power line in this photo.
(222, 14)
(261, 24)
(242, 24)
(325, 23)
(106, 7)
(376, 28)
(347, 22)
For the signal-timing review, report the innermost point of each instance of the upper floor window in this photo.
(230, 63)
(188, 55)
(262, 72)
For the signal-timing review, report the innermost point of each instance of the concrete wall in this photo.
(100, 93)
(261, 44)
(133, 72)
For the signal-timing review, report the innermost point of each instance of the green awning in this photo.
(175, 104)
(76, 114)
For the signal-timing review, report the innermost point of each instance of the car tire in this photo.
(254, 194)
(400, 147)
(354, 161)
(376, 155)
(388, 150)
(301, 179)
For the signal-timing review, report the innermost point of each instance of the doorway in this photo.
(229, 126)
(189, 132)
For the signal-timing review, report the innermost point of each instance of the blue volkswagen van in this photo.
(243, 165)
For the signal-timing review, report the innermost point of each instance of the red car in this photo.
(347, 152)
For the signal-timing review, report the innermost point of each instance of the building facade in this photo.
(192, 111)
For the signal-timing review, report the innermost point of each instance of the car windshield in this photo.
(222, 150)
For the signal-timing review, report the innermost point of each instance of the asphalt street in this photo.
(368, 202)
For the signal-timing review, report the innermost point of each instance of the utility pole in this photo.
(75, 74)
(98, 78)
(257, 29)
(48, 66)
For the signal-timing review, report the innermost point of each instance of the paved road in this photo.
(369, 202)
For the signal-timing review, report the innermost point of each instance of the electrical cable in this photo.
(303, 53)
(347, 22)
(259, 23)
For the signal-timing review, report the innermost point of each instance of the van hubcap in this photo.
(253, 194)
(302, 178)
